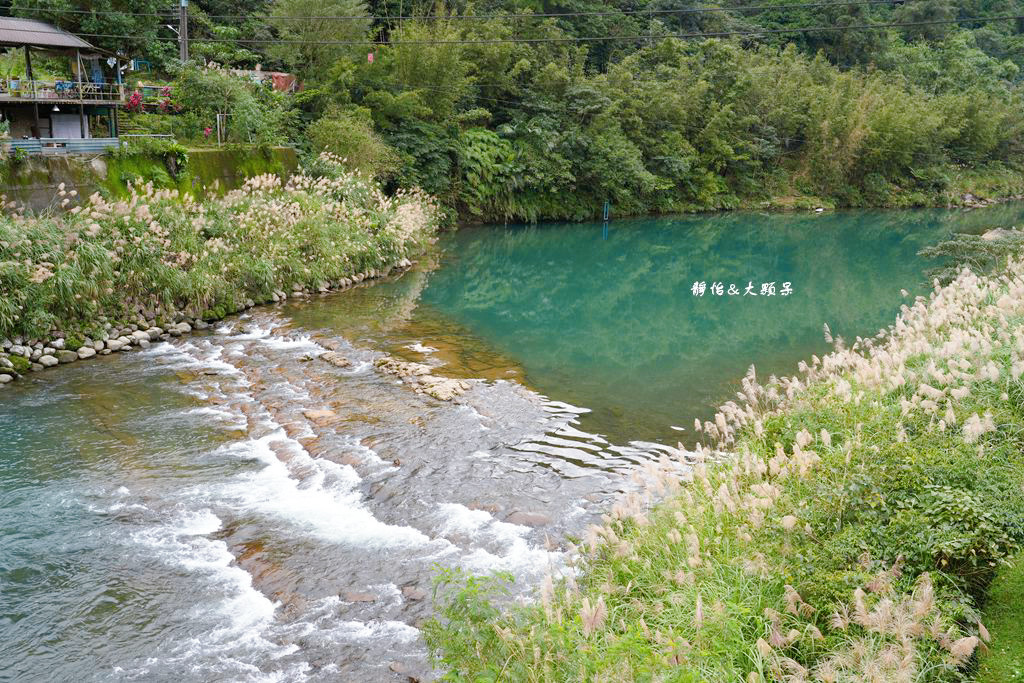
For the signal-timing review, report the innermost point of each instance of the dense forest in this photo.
(520, 109)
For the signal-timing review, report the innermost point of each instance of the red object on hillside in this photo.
(134, 102)
(284, 82)
(369, 57)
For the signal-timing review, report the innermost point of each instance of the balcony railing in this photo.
(61, 146)
(60, 91)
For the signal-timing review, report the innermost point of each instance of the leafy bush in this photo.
(350, 136)
(254, 113)
(974, 252)
(174, 154)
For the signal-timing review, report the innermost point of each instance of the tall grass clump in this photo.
(160, 251)
(840, 525)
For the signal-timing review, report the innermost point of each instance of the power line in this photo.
(558, 15)
(45, 10)
(580, 39)
(477, 17)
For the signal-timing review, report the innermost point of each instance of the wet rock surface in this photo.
(301, 508)
(483, 481)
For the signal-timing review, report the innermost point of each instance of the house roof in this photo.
(14, 31)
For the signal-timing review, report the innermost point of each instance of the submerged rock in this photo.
(999, 233)
(321, 418)
(533, 519)
(357, 596)
(418, 376)
(414, 593)
(335, 359)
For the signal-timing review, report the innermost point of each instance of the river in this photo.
(226, 506)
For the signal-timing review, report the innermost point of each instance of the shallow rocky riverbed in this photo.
(262, 501)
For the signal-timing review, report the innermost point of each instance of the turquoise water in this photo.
(607, 319)
(187, 513)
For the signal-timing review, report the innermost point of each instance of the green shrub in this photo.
(974, 252)
(255, 115)
(350, 136)
(20, 363)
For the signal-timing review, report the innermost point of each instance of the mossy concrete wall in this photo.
(34, 182)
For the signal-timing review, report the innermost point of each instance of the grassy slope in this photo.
(158, 250)
(849, 539)
(1004, 616)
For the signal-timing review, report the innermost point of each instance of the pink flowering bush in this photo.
(167, 104)
(134, 103)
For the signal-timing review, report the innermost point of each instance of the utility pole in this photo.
(183, 30)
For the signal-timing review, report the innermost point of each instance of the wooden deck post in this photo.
(119, 95)
(32, 80)
(81, 94)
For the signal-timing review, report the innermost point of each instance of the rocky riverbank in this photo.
(20, 356)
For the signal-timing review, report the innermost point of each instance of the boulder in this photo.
(65, 356)
(442, 388)
(48, 361)
(86, 352)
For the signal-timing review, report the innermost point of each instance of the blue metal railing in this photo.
(57, 146)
